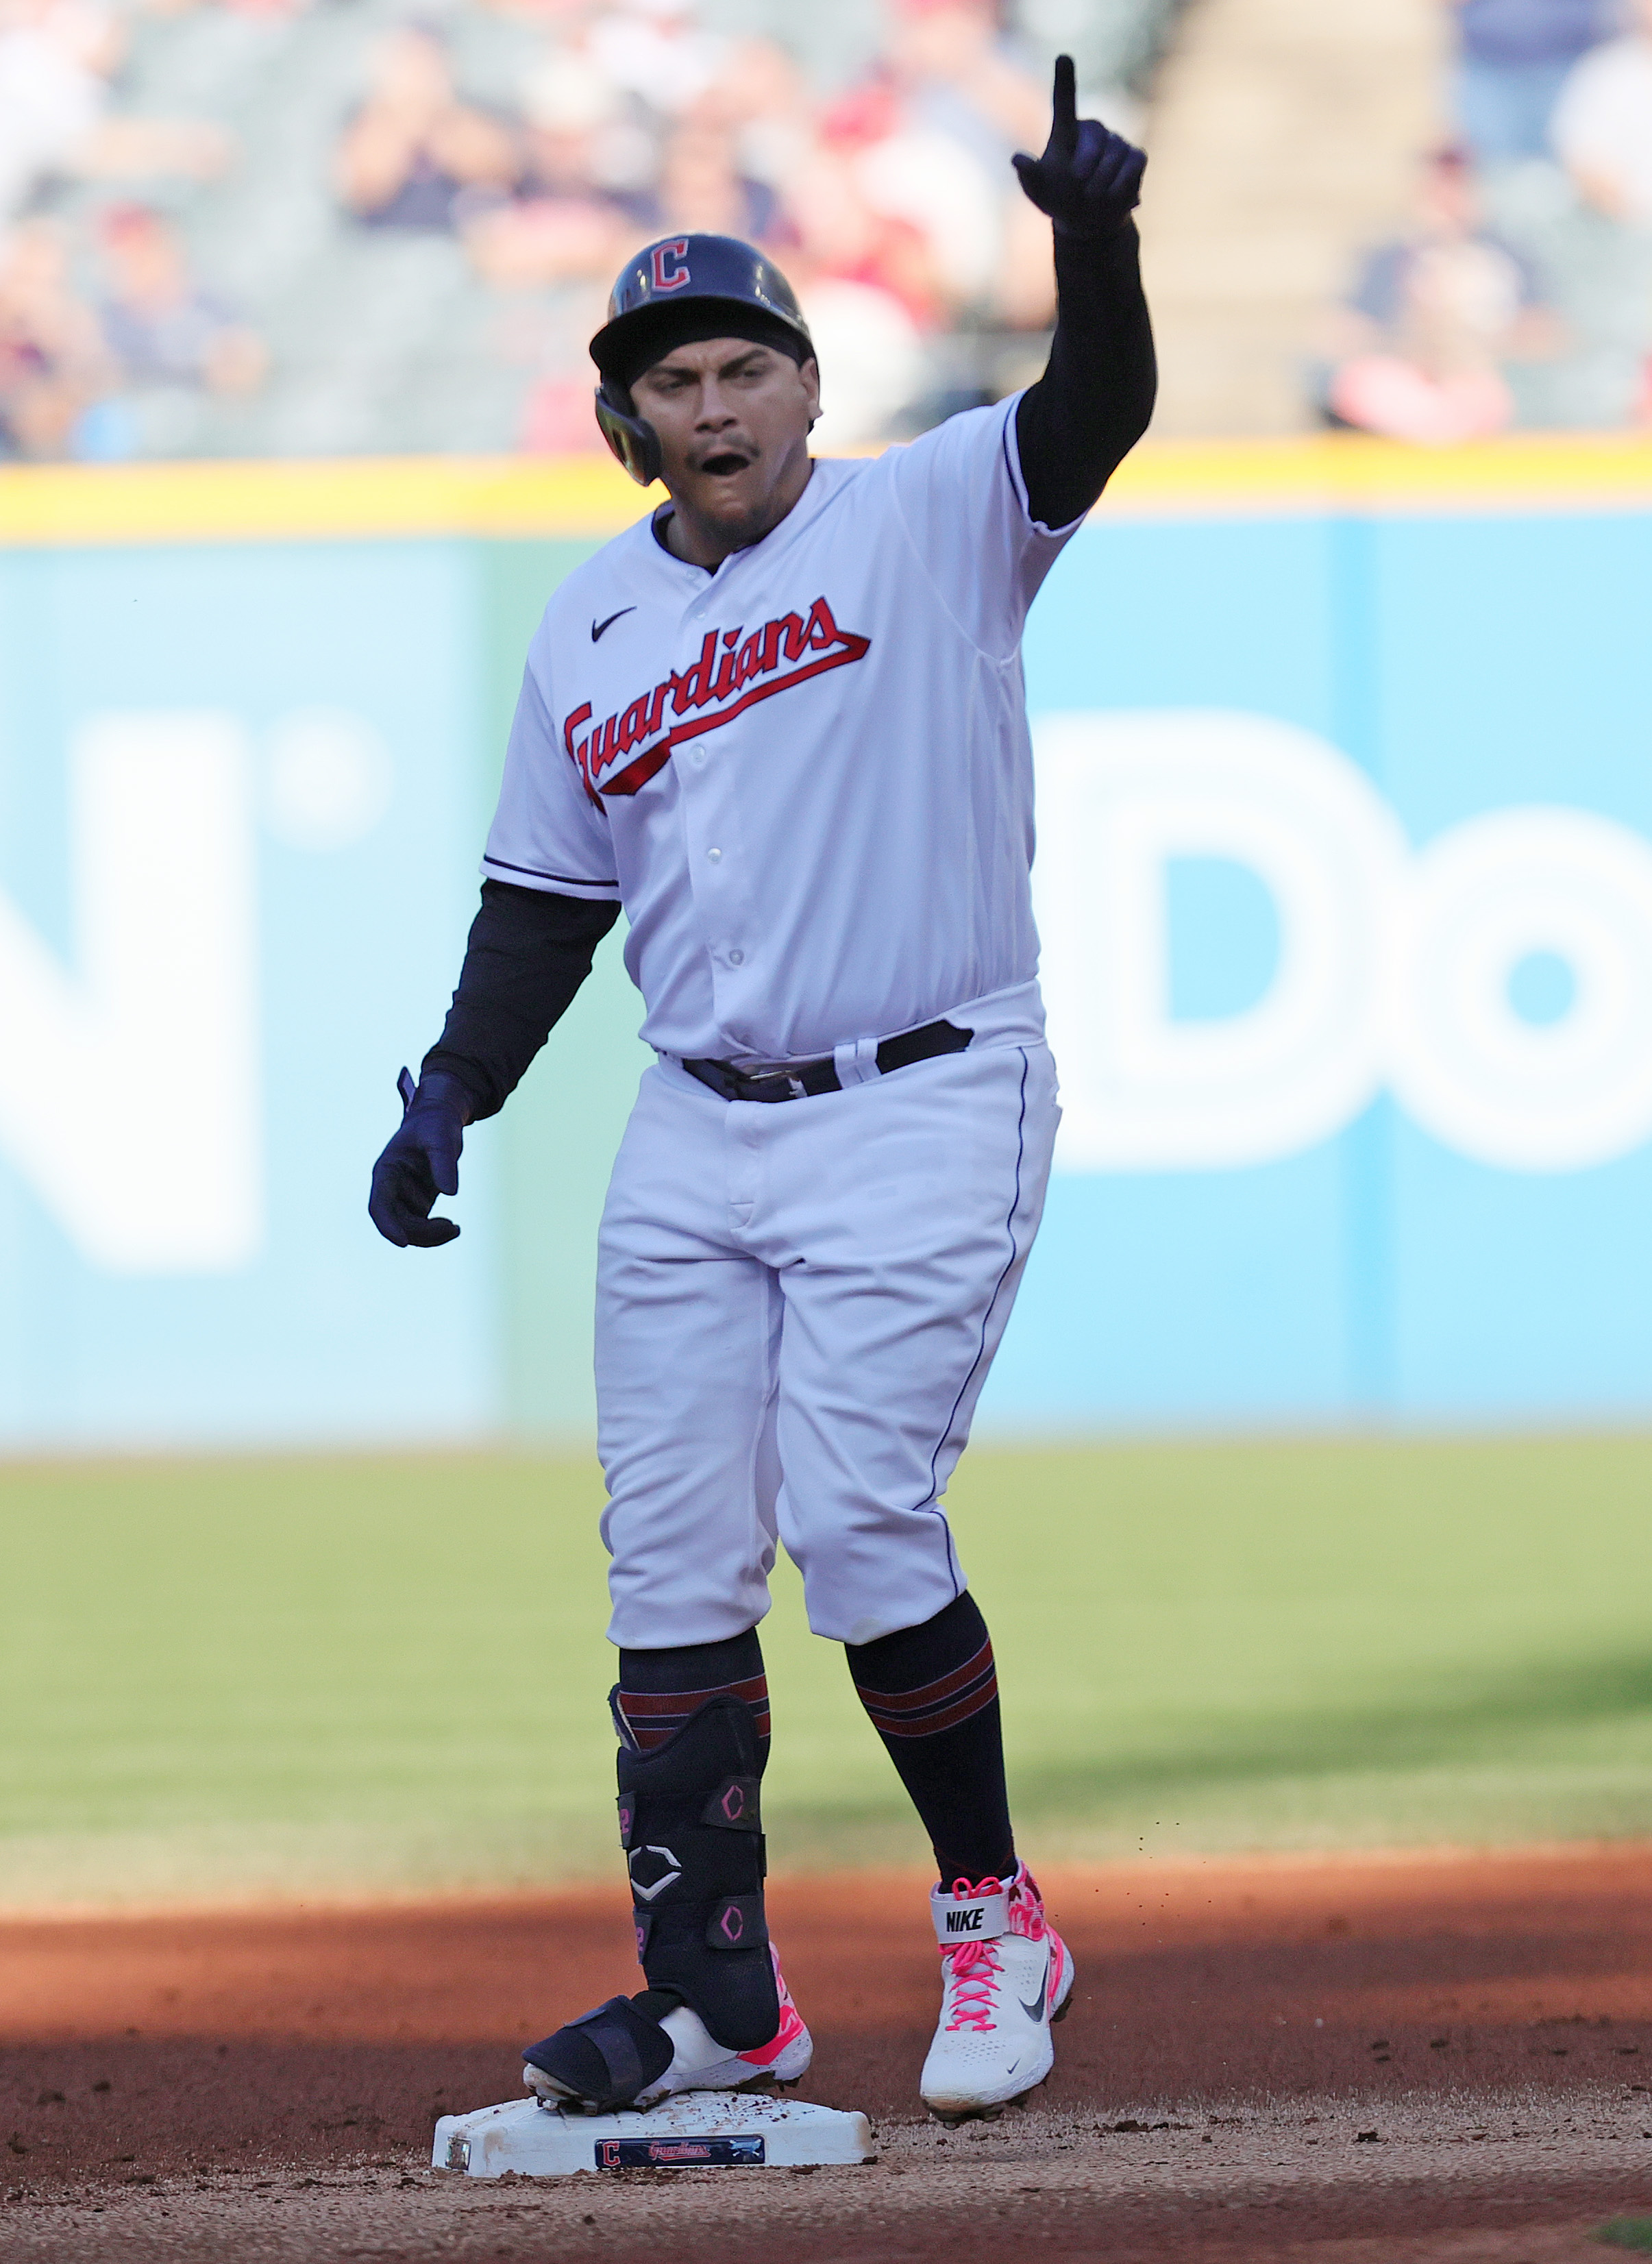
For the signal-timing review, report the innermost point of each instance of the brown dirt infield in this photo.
(263, 2084)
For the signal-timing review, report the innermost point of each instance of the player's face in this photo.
(733, 421)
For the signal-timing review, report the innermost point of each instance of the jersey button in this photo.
(714, 856)
(736, 959)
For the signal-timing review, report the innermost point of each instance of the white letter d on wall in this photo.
(1122, 793)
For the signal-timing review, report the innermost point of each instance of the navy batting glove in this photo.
(1088, 181)
(420, 1163)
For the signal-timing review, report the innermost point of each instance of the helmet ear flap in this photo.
(634, 441)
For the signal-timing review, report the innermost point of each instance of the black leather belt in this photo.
(804, 1078)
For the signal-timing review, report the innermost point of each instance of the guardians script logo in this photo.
(732, 672)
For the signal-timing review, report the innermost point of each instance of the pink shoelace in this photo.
(976, 1970)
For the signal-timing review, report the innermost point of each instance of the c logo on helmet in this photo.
(674, 278)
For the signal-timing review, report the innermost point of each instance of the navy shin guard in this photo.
(690, 1825)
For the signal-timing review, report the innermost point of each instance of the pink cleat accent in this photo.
(789, 2038)
(1006, 1977)
(699, 2063)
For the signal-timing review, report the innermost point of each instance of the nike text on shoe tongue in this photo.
(970, 1914)
(1002, 1986)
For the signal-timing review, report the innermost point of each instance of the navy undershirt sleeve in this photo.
(529, 951)
(1093, 404)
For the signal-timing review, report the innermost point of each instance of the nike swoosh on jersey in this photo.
(729, 677)
(598, 627)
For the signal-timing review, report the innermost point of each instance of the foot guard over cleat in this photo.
(608, 2059)
(624, 2055)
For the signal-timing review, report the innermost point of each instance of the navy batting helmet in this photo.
(683, 288)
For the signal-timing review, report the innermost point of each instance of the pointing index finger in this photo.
(1064, 122)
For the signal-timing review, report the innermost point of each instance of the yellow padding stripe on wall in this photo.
(347, 498)
(362, 497)
(1338, 471)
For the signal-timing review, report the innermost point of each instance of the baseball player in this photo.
(781, 723)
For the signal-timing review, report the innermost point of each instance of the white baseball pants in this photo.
(797, 1304)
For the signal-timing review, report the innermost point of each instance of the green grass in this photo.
(1626, 2232)
(222, 1678)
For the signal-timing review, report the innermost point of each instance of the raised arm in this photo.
(1093, 404)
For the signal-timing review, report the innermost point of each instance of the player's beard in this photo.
(737, 520)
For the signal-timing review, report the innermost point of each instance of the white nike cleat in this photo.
(699, 2063)
(1006, 1975)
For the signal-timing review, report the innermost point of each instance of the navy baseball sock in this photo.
(658, 1690)
(932, 1693)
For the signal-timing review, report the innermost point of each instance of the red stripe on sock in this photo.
(643, 1703)
(930, 1725)
(931, 1693)
(914, 1718)
(654, 1716)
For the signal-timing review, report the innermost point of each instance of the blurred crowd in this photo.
(306, 227)
(890, 206)
(484, 167)
(1522, 292)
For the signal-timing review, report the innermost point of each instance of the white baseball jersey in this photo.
(807, 776)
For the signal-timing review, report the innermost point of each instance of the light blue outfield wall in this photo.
(1469, 668)
(1347, 892)
(300, 1327)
